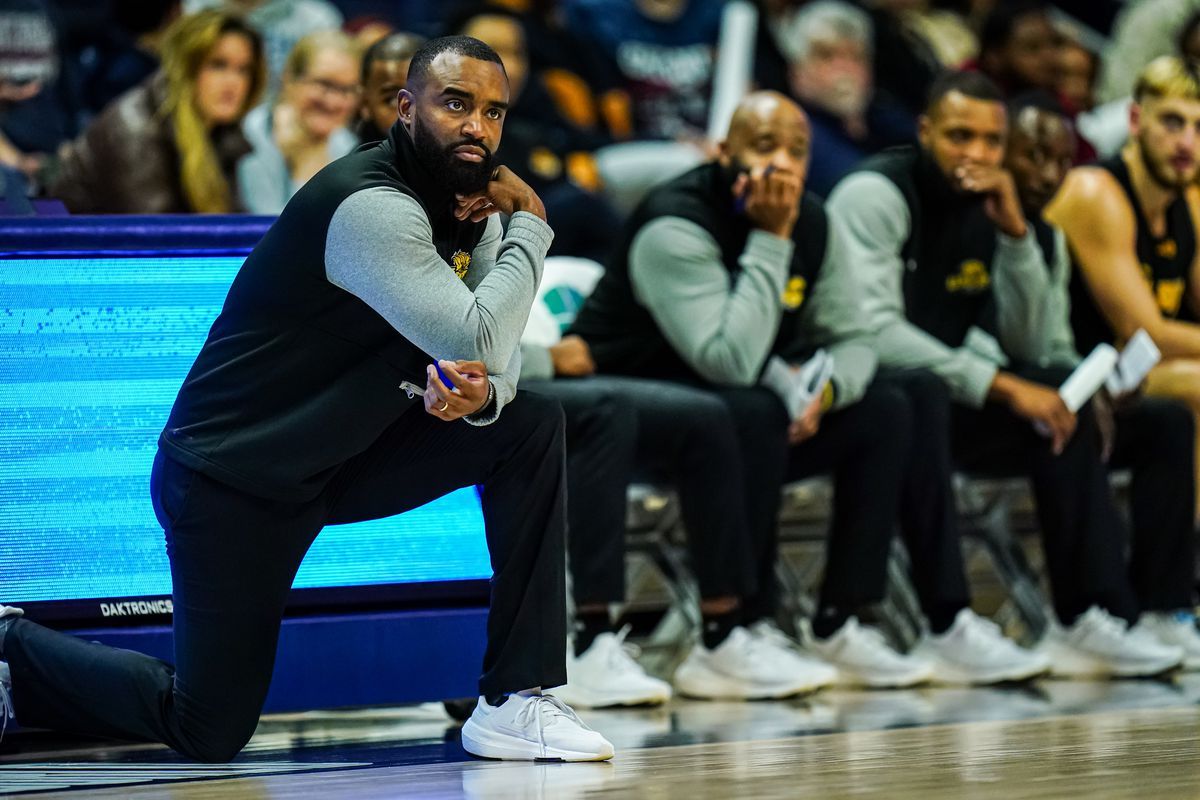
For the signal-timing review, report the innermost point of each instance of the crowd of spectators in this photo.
(894, 109)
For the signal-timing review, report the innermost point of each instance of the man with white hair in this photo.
(828, 47)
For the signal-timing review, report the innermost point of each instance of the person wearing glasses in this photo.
(306, 127)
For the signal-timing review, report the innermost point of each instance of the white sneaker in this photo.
(974, 651)
(792, 655)
(863, 658)
(1101, 645)
(530, 728)
(1178, 629)
(607, 675)
(747, 667)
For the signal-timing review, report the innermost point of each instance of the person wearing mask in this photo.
(953, 282)
(305, 129)
(170, 146)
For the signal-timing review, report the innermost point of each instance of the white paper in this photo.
(1139, 356)
(1088, 377)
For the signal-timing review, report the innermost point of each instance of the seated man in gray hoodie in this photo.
(944, 253)
(727, 275)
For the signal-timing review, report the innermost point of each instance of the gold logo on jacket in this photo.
(793, 293)
(460, 261)
(972, 277)
(1167, 248)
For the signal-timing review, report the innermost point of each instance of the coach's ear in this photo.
(404, 108)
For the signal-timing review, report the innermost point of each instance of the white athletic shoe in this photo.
(974, 651)
(1178, 629)
(792, 655)
(532, 728)
(864, 658)
(747, 667)
(1100, 645)
(607, 674)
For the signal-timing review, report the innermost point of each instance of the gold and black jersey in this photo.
(1166, 263)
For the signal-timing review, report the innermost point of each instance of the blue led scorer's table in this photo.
(100, 319)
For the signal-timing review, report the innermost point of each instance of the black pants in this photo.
(864, 448)
(928, 514)
(1154, 441)
(1083, 536)
(619, 428)
(233, 558)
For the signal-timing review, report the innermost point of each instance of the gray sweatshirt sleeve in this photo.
(536, 364)
(1061, 347)
(723, 330)
(875, 221)
(833, 319)
(380, 248)
(1030, 303)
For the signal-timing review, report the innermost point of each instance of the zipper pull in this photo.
(411, 389)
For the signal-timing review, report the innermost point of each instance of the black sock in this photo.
(718, 626)
(495, 699)
(828, 621)
(589, 625)
(941, 618)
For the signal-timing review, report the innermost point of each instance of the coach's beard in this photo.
(461, 177)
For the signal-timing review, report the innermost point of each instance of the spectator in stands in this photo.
(367, 30)
(1143, 31)
(1189, 38)
(728, 276)
(946, 28)
(1018, 47)
(585, 87)
(33, 120)
(904, 63)
(1130, 221)
(305, 129)
(125, 52)
(664, 51)
(1077, 72)
(282, 24)
(954, 282)
(171, 145)
(384, 73)
(1150, 434)
(828, 44)
(554, 155)
(1019, 51)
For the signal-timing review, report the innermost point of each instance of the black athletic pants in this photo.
(864, 448)
(233, 557)
(619, 429)
(1083, 536)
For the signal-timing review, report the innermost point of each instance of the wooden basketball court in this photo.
(1052, 739)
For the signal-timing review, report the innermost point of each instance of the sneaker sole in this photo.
(484, 744)
(958, 677)
(1072, 665)
(850, 678)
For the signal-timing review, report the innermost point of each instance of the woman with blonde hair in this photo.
(172, 144)
(305, 129)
